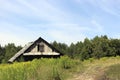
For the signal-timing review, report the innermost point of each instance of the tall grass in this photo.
(107, 68)
(42, 69)
(113, 72)
(61, 69)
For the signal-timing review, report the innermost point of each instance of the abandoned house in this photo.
(37, 49)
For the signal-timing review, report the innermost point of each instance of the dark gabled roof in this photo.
(26, 47)
(41, 39)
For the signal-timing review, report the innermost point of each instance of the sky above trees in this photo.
(22, 21)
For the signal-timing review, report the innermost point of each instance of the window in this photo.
(40, 48)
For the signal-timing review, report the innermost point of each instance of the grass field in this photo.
(43, 69)
(107, 68)
(63, 68)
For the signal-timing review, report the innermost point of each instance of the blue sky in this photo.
(23, 21)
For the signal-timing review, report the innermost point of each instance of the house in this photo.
(37, 49)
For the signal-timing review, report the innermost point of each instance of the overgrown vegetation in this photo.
(43, 69)
(107, 68)
(63, 68)
(113, 72)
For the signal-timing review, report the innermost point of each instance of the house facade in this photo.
(37, 49)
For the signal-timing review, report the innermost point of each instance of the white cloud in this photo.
(46, 11)
(110, 6)
(21, 35)
(67, 33)
(57, 24)
(97, 26)
(10, 33)
(9, 7)
(65, 37)
(116, 35)
(43, 10)
(85, 1)
(11, 38)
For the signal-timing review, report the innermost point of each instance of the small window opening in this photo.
(40, 48)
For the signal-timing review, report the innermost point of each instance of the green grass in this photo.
(113, 72)
(62, 68)
(107, 68)
(42, 69)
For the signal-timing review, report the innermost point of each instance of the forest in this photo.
(98, 47)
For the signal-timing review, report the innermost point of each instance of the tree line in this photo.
(8, 51)
(98, 47)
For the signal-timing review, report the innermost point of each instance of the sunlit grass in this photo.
(61, 69)
(113, 72)
(42, 69)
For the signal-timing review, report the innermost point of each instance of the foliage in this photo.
(42, 69)
(97, 47)
(62, 69)
(2, 51)
(8, 51)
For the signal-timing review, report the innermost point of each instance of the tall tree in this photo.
(86, 50)
(2, 53)
(60, 46)
(115, 44)
(10, 50)
(100, 46)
